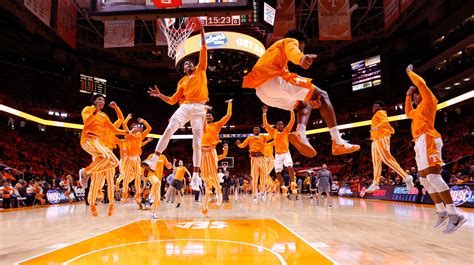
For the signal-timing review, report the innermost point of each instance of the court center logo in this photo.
(202, 225)
(214, 40)
(460, 194)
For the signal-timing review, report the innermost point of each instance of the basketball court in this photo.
(275, 231)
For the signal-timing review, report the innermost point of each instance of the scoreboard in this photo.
(366, 73)
(93, 85)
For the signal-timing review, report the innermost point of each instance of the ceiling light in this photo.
(447, 88)
(457, 84)
(466, 79)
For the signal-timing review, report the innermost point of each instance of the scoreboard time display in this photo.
(91, 85)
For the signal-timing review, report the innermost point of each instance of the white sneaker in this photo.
(219, 199)
(409, 182)
(150, 164)
(83, 178)
(255, 200)
(154, 216)
(442, 218)
(372, 188)
(262, 196)
(455, 221)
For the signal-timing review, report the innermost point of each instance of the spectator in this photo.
(196, 185)
(225, 187)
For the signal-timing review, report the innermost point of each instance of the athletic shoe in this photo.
(83, 178)
(93, 210)
(150, 165)
(284, 189)
(442, 218)
(111, 209)
(300, 142)
(372, 188)
(204, 211)
(455, 221)
(288, 196)
(262, 196)
(154, 216)
(293, 188)
(255, 200)
(297, 198)
(343, 148)
(409, 182)
(179, 204)
(219, 199)
(329, 205)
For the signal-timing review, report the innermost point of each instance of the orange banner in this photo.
(391, 11)
(334, 20)
(67, 22)
(404, 4)
(285, 18)
(119, 33)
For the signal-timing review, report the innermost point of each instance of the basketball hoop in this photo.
(176, 31)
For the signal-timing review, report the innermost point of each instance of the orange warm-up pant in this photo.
(121, 176)
(132, 170)
(155, 191)
(101, 168)
(258, 169)
(381, 153)
(270, 162)
(209, 173)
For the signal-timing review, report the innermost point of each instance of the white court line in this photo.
(306, 241)
(78, 241)
(283, 262)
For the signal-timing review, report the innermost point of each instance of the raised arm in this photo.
(125, 122)
(119, 113)
(268, 128)
(170, 100)
(203, 52)
(167, 163)
(420, 83)
(227, 116)
(146, 141)
(225, 150)
(244, 144)
(408, 104)
(147, 128)
(87, 114)
(291, 123)
(109, 125)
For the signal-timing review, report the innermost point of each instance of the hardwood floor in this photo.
(353, 231)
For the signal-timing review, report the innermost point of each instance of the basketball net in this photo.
(176, 32)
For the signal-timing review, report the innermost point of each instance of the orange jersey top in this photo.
(133, 142)
(268, 149)
(256, 143)
(179, 174)
(274, 62)
(282, 144)
(6, 192)
(210, 136)
(109, 139)
(160, 164)
(380, 125)
(97, 123)
(193, 88)
(425, 113)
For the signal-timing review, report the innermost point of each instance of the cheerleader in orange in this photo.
(258, 165)
(132, 169)
(212, 182)
(210, 139)
(96, 123)
(380, 133)
(428, 145)
(155, 178)
(282, 148)
(277, 87)
(192, 94)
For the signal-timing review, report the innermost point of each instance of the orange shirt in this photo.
(160, 164)
(256, 143)
(193, 88)
(134, 141)
(96, 123)
(425, 113)
(281, 138)
(211, 130)
(380, 125)
(109, 139)
(179, 174)
(268, 149)
(274, 62)
(6, 192)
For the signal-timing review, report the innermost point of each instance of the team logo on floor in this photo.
(460, 194)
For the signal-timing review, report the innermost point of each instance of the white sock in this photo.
(440, 207)
(335, 134)
(195, 174)
(301, 128)
(451, 209)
